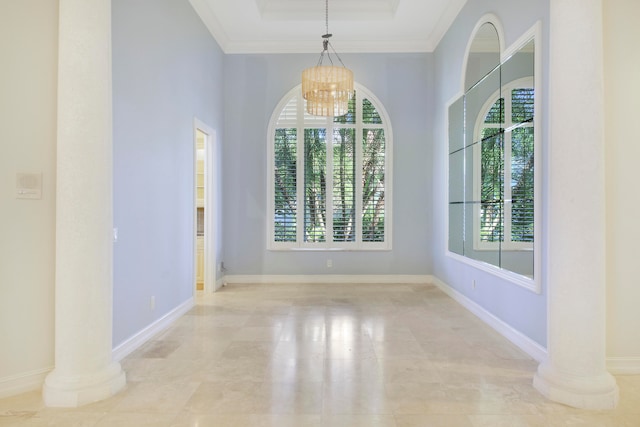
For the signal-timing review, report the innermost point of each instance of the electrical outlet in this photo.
(473, 284)
(329, 263)
(152, 303)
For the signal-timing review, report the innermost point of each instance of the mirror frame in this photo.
(533, 34)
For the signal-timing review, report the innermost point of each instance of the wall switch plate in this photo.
(28, 186)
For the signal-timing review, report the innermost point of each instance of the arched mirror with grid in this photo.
(494, 147)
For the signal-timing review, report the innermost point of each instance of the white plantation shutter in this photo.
(289, 114)
(285, 178)
(373, 201)
(344, 185)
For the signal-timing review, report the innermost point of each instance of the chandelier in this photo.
(327, 88)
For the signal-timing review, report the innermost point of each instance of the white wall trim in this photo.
(24, 382)
(211, 203)
(488, 18)
(526, 344)
(130, 345)
(623, 365)
(328, 278)
(34, 380)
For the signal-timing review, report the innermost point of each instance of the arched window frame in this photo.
(300, 121)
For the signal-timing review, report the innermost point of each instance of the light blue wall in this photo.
(254, 86)
(167, 69)
(522, 309)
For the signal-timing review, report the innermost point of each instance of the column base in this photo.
(71, 392)
(595, 392)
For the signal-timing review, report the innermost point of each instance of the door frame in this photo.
(210, 206)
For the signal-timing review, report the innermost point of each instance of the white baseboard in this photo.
(615, 365)
(526, 344)
(327, 278)
(33, 380)
(130, 345)
(623, 365)
(23, 383)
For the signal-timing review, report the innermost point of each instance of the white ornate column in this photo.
(84, 370)
(575, 370)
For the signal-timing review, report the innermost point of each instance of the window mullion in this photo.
(300, 173)
(358, 178)
(329, 176)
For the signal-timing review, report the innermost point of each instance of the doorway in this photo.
(204, 209)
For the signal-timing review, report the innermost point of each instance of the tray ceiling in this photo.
(296, 26)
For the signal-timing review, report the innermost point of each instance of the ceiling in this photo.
(296, 26)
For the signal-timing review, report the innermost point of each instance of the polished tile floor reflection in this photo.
(327, 355)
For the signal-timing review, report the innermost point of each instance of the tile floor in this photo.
(327, 355)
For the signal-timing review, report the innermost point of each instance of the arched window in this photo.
(504, 165)
(329, 178)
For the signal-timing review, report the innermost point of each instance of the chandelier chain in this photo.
(326, 15)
